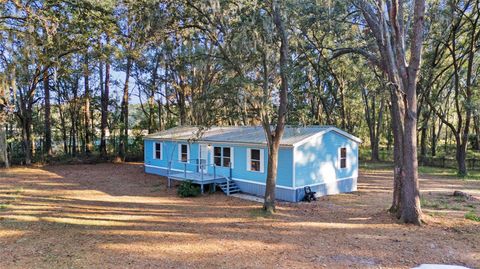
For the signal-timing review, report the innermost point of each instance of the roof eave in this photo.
(339, 131)
(264, 144)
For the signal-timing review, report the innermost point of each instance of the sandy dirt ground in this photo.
(116, 216)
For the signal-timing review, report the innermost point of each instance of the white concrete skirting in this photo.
(248, 197)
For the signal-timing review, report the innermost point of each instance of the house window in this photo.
(157, 151)
(255, 160)
(343, 157)
(222, 156)
(183, 153)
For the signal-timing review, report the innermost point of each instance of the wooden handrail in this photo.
(185, 170)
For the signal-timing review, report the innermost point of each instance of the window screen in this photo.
(255, 160)
(158, 151)
(184, 153)
(343, 157)
(222, 156)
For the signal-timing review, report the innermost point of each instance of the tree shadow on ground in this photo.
(91, 216)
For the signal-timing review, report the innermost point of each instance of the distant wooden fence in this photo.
(444, 162)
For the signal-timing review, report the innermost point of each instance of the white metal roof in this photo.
(244, 134)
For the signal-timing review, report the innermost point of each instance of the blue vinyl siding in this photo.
(314, 163)
(169, 152)
(239, 170)
(317, 160)
(340, 186)
(283, 194)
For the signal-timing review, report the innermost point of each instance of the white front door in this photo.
(203, 158)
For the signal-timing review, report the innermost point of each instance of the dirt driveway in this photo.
(115, 216)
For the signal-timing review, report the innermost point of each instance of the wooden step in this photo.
(229, 188)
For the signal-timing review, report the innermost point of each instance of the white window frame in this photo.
(180, 152)
(155, 150)
(262, 160)
(340, 157)
(222, 157)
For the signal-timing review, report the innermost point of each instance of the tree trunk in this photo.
(27, 143)
(274, 138)
(160, 114)
(161, 118)
(411, 209)
(342, 107)
(25, 116)
(48, 131)
(433, 146)
(476, 145)
(151, 98)
(123, 146)
(63, 127)
(391, 36)
(80, 134)
(74, 118)
(397, 112)
(389, 134)
(461, 156)
(86, 112)
(73, 135)
(151, 114)
(423, 139)
(105, 99)
(269, 202)
(374, 123)
(182, 104)
(3, 146)
(378, 131)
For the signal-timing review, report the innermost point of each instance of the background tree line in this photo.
(89, 78)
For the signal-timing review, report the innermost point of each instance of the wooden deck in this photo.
(197, 178)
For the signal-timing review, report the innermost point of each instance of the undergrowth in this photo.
(188, 189)
(472, 216)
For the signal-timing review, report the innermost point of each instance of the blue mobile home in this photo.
(322, 157)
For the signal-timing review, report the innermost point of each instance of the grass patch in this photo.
(424, 170)
(440, 204)
(18, 190)
(376, 165)
(456, 208)
(437, 214)
(447, 172)
(437, 171)
(460, 199)
(428, 203)
(472, 216)
(3, 206)
(260, 213)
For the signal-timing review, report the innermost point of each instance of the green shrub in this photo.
(187, 189)
(472, 216)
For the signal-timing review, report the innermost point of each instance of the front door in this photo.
(203, 158)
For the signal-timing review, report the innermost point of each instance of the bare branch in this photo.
(369, 56)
